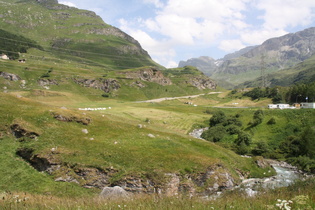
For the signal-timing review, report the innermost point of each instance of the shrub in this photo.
(214, 134)
(260, 149)
(217, 118)
(243, 138)
(257, 118)
(232, 129)
(272, 121)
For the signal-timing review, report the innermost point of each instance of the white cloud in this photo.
(168, 29)
(280, 14)
(231, 45)
(70, 4)
(160, 50)
(256, 37)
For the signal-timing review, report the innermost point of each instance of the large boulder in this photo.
(114, 193)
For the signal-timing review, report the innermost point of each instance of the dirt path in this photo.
(172, 98)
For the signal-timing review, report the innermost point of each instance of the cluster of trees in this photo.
(295, 142)
(12, 45)
(221, 126)
(295, 94)
(273, 93)
(301, 93)
(299, 148)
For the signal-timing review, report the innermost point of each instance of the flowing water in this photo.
(286, 175)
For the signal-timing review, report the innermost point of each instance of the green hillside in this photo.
(73, 34)
(75, 119)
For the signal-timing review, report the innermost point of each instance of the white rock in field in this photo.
(114, 193)
(85, 131)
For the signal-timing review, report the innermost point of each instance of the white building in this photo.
(280, 106)
(4, 57)
(272, 106)
(308, 105)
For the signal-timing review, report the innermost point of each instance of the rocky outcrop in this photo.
(47, 82)
(9, 76)
(19, 132)
(202, 83)
(149, 75)
(215, 178)
(107, 85)
(71, 118)
(50, 163)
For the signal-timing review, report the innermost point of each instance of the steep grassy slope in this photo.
(74, 34)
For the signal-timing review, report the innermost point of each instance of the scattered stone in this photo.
(63, 107)
(91, 139)
(151, 135)
(114, 193)
(140, 126)
(85, 131)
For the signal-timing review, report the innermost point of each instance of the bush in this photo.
(260, 149)
(232, 129)
(214, 134)
(272, 121)
(217, 118)
(257, 118)
(305, 163)
(243, 138)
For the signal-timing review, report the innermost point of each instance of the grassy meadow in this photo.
(131, 138)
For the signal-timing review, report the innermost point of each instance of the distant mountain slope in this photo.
(204, 63)
(72, 33)
(303, 72)
(208, 65)
(273, 55)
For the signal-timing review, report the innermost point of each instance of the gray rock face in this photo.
(276, 53)
(203, 83)
(107, 85)
(47, 82)
(9, 76)
(114, 193)
(149, 75)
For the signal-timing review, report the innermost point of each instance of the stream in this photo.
(286, 174)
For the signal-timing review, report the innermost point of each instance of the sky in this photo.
(175, 30)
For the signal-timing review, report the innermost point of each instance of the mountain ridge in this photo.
(273, 55)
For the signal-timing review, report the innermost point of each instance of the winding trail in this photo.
(173, 98)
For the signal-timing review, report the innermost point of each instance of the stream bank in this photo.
(286, 174)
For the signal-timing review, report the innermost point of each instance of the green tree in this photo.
(217, 118)
(243, 138)
(214, 134)
(307, 146)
